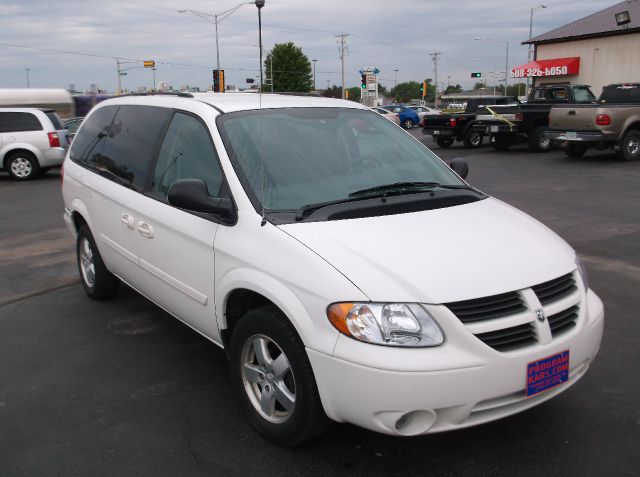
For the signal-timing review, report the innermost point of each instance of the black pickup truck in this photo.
(447, 128)
(508, 125)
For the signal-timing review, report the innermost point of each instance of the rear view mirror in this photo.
(192, 195)
(459, 166)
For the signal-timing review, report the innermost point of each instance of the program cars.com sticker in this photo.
(547, 372)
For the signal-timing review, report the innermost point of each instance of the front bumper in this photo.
(577, 137)
(431, 395)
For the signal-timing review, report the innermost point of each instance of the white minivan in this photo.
(348, 272)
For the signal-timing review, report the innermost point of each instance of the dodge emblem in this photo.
(540, 315)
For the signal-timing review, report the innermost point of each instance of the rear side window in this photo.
(621, 93)
(130, 143)
(88, 143)
(19, 122)
(55, 120)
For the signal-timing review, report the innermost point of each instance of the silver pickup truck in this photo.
(613, 122)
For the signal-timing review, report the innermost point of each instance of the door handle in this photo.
(571, 113)
(145, 229)
(128, 220)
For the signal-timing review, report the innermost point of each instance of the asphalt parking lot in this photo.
(120, 388)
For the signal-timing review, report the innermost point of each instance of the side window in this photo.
(130, 143)
(558, 94)
(89, 142)
(186, 153)
(582, 95)
(19, 122)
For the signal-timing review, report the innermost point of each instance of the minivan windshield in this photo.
(288, 158)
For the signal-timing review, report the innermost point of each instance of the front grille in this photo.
(487, 308)
(563, 321)
(553, 290)
(509, 338)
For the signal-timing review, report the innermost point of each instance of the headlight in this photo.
(391, 324)
(583, 273)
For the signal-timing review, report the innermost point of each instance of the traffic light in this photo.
(476, 75)
(218, 81)
(363, 83)
(423, 88)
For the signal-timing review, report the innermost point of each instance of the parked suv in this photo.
(31, 141)
(347, 271)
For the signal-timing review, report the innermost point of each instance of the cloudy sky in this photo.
(400, 34)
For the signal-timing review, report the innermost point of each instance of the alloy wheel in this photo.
(268, 378)
(87, 265)
(21, 167)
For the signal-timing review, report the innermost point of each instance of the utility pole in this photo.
(395, 80)
(314, 74)
(28, 84)
(341, 49)
(119, 81)
(434, 57)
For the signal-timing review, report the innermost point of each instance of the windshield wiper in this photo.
(400, 188)
(300, 213)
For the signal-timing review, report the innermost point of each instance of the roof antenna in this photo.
(260, 4)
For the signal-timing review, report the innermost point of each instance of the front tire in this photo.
(538, 140)
(630, 146)
(407, 124)
(98, 282)
(272, 374)
(22, 166)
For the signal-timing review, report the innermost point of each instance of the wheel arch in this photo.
(635, 124)
(80, 215)
(242, 290)
(19, 147)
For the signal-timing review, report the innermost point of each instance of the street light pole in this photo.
(395, 79)
(217, 18)
(28, 84)
(154, 78)
(529, 49)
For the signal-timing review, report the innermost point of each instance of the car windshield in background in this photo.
(289, 158)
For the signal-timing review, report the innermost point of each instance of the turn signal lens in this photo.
(54, 139)
(390, 324)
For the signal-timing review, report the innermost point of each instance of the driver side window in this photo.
(186, 153)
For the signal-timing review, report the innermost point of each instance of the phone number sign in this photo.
(543, 68)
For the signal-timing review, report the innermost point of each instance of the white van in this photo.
(348, 272)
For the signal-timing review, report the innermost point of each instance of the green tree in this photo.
(291, 69)
(333, 92)
(478, 86)
(403, 92)
(355, 93)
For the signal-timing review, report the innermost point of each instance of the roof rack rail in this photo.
(294, 93)
(161, 93)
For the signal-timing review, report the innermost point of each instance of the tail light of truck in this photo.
(603, 120)
(453, 122)
(54, 139)
(518, 117)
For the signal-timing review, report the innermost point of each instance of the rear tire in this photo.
(472, 139)
(22, 166)
(98, 282)
(274, 379)
(444, 142)
(630, 146)
(407, 124)
(575, 150)
(538, 140)
(501, 142)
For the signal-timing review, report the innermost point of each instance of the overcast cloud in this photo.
(388, 34)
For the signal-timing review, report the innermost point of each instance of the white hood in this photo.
(439, 256)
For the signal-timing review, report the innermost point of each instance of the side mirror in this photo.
(192, 195)
(459, 166)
